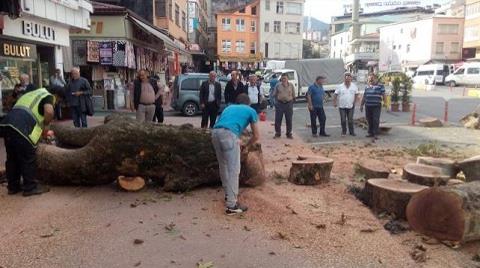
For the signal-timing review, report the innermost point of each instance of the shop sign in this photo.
(17, 50)
(38, 30)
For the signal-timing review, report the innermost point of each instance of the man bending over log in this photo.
(226, 141)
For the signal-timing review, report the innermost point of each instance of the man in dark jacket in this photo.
(234, 88)
(210, 100)
(145, 94)
(77, 92)
(25, 85)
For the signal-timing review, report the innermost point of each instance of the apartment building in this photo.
(471, 46)
(281, 29)
(433, 39)
(237, 37)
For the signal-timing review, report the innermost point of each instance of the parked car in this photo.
(186, 92)
(430, 74)
(467, 74)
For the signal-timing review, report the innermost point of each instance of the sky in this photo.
(325, 9)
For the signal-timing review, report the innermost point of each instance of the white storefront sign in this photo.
(35, 30)
(379, 5)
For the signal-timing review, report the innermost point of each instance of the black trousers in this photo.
(322, 118)
(21, 161)
(158, 117)
(210, 112)
(372, 113)
(282, 109)
(346, 115)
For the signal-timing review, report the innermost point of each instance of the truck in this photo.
(302, 74)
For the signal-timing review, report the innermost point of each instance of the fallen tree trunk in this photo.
(447, 213)
(471, 168)
(372, 169)
(425, 175)
(391, 196)
(178, 157)
(311, 171)
(431, 122)
(449, 167)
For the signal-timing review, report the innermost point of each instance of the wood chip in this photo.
(138, 241)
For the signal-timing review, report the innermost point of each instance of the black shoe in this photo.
(324, 135)
(277, 136)
(39, 190)
(13, 191)
(290, 137)
(237, 209)
(353, 134)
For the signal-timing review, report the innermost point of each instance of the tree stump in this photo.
(449, 213)
(472, 120)
(449, 167)
(425, 175)
(431, 122)
(391, 196)
(131, 184)
(180, 158)
(311, 171)
(471, 168)
(372, 169)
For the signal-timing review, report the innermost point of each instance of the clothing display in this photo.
(97, 73)
(106, 53)
(119, 54)
(93, 53)
(79, 48)
(130, 55)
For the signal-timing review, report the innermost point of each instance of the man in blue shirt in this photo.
(315, 96)
(226, 141)
(372, 100)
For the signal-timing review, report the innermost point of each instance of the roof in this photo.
(107, 9)
(238, 8)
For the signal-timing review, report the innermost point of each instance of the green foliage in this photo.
(407, 89)
(395, 90)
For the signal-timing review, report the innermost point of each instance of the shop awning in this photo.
(166, 40)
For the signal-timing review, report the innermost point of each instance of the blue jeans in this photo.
(227, 149)
(372, 113)
(319, 113)
(79, 117)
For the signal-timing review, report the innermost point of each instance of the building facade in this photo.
(434, 39)
(198, 34)
(280, 27)
(237, 37)
(35, 43)
(171, 15)
(472, 29)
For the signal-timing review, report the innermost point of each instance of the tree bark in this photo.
(472, 120)
(372, 169)
(431, 122)
(425, 175)
(311, 171)
(391, 196)
(180, 158)
(471, 168)
(450, 213)
(449, 167)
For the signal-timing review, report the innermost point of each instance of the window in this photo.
(253, 26)
(242, 11)
(191, 84)
(177, 15)
(334, 43)
(253, 48)
(291, 75)
(266, 50)
(240, 46)
(294, 8)
(254, 10)
(240, 25)
(394, 47)
(439, 48)
(292, 27)
(341, 40)
(473, 71)
(447, 29)
(424, 73)
(160, 8)
(455, 48)
(279, 7)
(276, 26)
(276, 49)
(267, 4)
(184, 21)
(460, 71)
(226, 23)
(170, 10)
(408, 48)
(399, 47)
(267, 27)
(226, 46)
(472, 33)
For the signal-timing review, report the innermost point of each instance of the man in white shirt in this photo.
(254, 93)
(345, 98)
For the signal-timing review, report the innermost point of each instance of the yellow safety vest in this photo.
(30, 102)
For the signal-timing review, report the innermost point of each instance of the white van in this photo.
(430, 74)
(468, 74)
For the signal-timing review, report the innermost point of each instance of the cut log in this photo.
(449, 167)
(471, 168)
(431, 122)
(253, 172)
(425, 175)
(131, 184)
(472, 120)
(311, 171)
(449, 213)
(180, 158)
(372, 169)
(391, 196)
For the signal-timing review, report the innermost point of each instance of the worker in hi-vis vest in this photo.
(22, 128)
